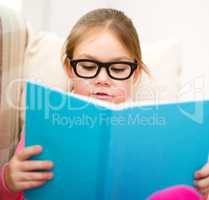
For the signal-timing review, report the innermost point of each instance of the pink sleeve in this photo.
(177, 193)
(5, 193)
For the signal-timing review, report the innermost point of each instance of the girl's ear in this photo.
(68, 69)
(137, 75)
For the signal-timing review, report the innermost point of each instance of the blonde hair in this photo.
(105, 18)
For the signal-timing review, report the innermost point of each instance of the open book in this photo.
(106, 152)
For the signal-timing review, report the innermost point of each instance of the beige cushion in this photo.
(43, 60)
(163, 58)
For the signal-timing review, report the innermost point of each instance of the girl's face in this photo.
(103, 46)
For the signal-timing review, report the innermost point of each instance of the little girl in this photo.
(102, 57)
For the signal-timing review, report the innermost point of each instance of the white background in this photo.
(184, 20)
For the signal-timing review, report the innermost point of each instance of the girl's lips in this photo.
(102, 95)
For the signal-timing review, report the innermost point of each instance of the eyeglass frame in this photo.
(106, 65)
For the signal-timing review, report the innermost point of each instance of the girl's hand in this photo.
(202, 180)
(20, 172)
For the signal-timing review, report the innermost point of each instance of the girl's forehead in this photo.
(101, 44)
(111, 57)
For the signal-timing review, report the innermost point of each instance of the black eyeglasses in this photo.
(119, 70)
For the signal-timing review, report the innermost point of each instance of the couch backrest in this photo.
(13, 37)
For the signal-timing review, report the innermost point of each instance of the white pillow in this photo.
(43, 60)
(163, 59)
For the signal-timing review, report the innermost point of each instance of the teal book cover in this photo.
(106, 152)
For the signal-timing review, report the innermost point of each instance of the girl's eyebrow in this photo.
(87, 56)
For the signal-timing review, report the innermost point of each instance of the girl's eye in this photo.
(117, 70)
(89, 67)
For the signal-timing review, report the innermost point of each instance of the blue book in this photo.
(105, 152)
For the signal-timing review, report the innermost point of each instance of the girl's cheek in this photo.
(120, 99)
(122, 92)
(82, 87)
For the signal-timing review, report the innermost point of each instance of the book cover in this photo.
(105, 152)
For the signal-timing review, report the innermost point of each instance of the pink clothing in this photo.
(5, 193)
(177, 193)
(173, 193)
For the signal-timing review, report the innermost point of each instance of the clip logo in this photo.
(195, 89)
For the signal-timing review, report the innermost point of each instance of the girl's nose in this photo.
(102, 78)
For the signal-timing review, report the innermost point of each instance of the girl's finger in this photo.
(36, 165)
(204, 172)
(204, 192)
(28, 152)
(202, 183)
(29, 184)
(206, 195)
(35, 176)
